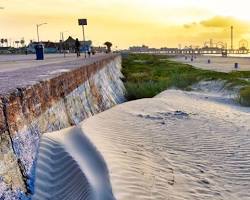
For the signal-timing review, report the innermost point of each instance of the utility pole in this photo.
(232, 37)
(62, 39)
(211, 43)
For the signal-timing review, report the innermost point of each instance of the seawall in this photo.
(45, 99)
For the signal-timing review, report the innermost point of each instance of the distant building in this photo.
(142, 48)
(49, 47)
(69, 45)
(100, 49)
(168, 49)
(56, 47)
(5, 50)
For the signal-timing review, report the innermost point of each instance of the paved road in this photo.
(16, 62)
(20, 71)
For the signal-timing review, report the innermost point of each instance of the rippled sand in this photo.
(70, 168)
(175, 146)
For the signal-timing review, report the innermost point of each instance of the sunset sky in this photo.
(155, 23)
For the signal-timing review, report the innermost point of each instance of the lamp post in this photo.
(232, 37)
(62, 39)
(37, 29)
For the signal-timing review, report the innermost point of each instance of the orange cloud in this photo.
(222, 22)
(218, 28)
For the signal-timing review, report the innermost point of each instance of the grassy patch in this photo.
(139, 90)
(244, 96)
(148, 75)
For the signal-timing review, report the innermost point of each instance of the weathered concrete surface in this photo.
(12, 63)
(48, 98)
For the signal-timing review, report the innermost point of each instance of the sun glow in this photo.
(151, 22)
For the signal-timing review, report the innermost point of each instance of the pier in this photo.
(196, 51)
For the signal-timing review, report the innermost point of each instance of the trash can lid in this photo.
(39, 46)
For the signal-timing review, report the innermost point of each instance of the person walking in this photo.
(77, 47)
(89, 53)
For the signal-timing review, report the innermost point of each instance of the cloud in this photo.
(216, 28)
(222, 22)
(190, 25)
(219, 26)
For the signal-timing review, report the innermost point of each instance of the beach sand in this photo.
(177, 146)
(218, 63)
(70, 168)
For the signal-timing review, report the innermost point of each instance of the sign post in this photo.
(83, 22)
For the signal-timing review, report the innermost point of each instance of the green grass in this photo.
(148, 75)
(244, 96)
(138, 90)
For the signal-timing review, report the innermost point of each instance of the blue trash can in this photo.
(39, 52)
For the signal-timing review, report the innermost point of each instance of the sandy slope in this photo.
(175, 146)
(70, 168)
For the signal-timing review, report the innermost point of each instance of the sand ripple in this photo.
(175, 146)
(70, 168)
(178, 146)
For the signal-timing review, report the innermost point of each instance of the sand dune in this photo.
(69, 167)
(178, 146)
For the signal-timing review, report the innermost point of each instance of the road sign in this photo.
(82, 22)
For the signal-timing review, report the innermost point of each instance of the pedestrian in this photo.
(92, 51)
(89, 53)
(77, 47)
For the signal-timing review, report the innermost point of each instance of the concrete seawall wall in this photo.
(57, 102)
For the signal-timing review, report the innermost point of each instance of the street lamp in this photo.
(62, 39)
(37, 29)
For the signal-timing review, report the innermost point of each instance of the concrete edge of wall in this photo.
(22, 106)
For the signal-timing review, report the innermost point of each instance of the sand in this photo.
(70, 168)
(178, 145)
(220, 64)
(175, 146)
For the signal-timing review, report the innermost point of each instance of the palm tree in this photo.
(22, 41)
(6, 42)
(17, 43)
(109, 45)
(2, 41)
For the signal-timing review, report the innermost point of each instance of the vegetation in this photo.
(148, 75)
(4, 41)
(244, 96)
(109, 45)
